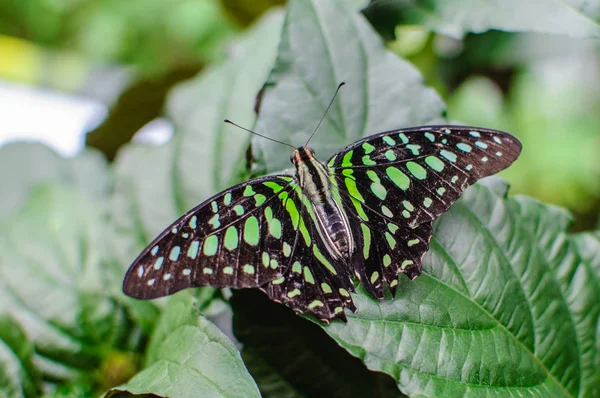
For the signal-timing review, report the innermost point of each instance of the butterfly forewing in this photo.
(396, 183)
(242, 237)
(418, 173)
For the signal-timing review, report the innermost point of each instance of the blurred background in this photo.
(76, 73)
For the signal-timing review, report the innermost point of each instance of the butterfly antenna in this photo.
(260, 135)
(325, 114)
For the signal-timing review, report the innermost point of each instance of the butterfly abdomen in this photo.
(316, 185)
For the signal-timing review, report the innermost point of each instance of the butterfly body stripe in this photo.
(317, 186)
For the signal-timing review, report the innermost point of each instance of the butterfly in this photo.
(302, 238)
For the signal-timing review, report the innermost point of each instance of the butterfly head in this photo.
(301, 155)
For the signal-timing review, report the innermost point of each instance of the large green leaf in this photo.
(210, 152)
(23, 165)
(189, 357)
(59, 281)
(505, 306)
(455, 18)
(324, 43)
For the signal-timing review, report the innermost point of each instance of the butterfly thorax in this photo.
(333, 225)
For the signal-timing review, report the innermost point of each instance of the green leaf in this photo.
(179, 311)
(456, 18)
(324, 43)
(504, 306)
(24, 165)
(18, 377)
(189, 357)
(60, 283)
(198, 107)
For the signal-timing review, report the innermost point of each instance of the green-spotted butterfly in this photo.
(301, 239)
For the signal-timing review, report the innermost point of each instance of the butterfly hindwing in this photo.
(314, 282)
(241, 237)
(396, 183)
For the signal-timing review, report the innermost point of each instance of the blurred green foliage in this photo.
(154, 35)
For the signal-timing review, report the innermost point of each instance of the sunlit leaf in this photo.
(323, 44)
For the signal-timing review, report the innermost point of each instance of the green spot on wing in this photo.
(353, 190)
(398, 177)
(211, 244)
(323, 260)
(249, 191)
(346, 160)
(374, 276)
(260, 199)
(297, 267)
(414, 149)
(450, 156)
(366, 240)
(368, 147)
(390, 239)
(464, 147)
(251, 232)
(274, 186)
(367, 161)
(193, 249)
(174, 254)
(287, 249)
(435, 163)
(275, 228)
(308, 276)
(239, 210)
(231, 238)
(416, 170)
(214, 221)
(315, 303)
